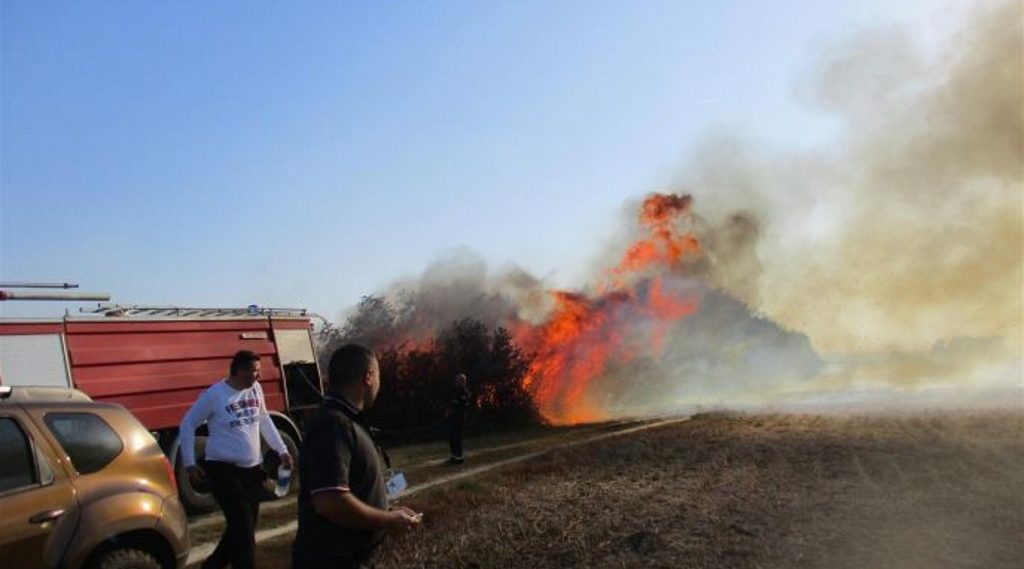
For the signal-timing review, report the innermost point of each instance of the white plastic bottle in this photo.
(284, 480)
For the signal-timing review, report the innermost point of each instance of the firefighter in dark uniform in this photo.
(457, 418)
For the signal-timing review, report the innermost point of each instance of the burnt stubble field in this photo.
(759, 491)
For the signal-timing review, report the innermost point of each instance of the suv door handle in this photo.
(47, 516)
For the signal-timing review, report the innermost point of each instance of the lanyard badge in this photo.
(395, 482)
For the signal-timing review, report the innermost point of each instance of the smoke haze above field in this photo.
(907, 233)
(891, 259)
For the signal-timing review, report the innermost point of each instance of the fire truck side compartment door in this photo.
(33, 359)
(295, 349)
(294, 346)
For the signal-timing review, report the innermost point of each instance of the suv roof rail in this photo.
(192, 311)
(23, 394)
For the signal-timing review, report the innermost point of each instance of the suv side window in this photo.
(89, 441)
(17, 469)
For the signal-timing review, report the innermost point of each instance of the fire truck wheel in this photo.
(196, 500)
(271, 462)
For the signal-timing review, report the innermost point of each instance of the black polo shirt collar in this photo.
(345, 404)
(358, 417)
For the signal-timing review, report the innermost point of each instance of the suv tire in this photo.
(127, 559)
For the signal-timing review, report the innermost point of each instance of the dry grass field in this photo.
(928, 491)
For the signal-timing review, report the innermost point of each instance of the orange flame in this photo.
(571, 348)
(666, 245)
(584, 336)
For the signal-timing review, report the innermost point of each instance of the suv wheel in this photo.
(127, 559)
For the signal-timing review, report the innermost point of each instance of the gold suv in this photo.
(84, 485)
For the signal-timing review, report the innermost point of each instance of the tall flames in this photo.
(667, 244)
(586, 336)
(858, 286)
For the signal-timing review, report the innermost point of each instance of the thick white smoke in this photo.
(888, 262)
(907, 233)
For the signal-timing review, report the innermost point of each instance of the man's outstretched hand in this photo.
(403, 518)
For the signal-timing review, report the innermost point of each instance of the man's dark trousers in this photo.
(237, 491)
(456, 423)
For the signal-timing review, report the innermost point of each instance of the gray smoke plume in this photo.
(457, 286)
(892, 259)
(908, 233)
(898, 252)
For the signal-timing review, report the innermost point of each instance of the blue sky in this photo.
(229, 153)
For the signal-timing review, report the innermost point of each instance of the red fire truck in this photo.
(156, 360)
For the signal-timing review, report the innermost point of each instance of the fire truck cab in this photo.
(155, 361)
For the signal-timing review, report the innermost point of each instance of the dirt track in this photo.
(723, 491)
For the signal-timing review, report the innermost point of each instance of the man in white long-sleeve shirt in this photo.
(235, 415)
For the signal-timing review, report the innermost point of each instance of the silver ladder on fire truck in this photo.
(196, 312)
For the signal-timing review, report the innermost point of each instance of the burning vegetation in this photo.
(884, 267)
(584, 337)
(588, 356)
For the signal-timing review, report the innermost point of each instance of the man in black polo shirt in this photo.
(343, 506)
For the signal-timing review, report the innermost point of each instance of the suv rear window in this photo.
(89, 441)
(17, 469)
